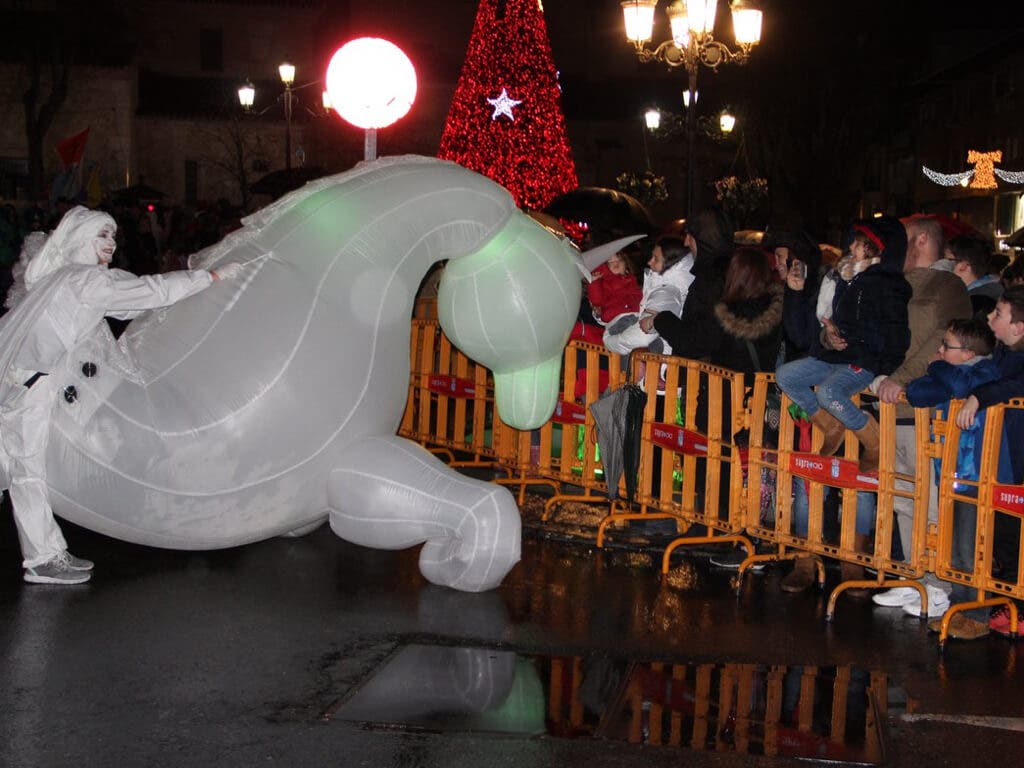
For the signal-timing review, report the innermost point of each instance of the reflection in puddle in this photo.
(822, 713)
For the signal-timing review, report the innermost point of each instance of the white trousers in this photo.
(24, 429)
(631, 338)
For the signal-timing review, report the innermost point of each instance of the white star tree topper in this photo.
(503, 105)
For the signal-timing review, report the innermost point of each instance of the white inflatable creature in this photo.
(269, 403)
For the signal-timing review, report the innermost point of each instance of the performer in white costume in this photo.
(68, 291)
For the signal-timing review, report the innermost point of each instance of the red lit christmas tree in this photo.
(506, 118)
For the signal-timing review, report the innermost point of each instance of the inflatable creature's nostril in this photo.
(88, 370)
(70, 394)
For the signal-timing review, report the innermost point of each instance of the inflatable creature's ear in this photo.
(595, 257)
(526, 398)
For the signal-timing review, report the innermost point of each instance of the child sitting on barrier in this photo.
(867, 335)
(615, 290)
(1007, 324)
(666, 283)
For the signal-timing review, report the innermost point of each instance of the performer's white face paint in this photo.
(105, 245)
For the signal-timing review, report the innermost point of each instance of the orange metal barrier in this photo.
(451, 409)
(994, 501)
(565, 449)
(451, 400)
(690, 472)
(782, 466)
(696, 472)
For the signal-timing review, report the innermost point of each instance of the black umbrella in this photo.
(618, 415)
(604, 210)
(277, 183)
(136, 193)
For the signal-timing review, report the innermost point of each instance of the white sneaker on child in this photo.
(896, 597)
(938, 602)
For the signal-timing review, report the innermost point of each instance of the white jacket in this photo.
(70, 303)
(666, 292)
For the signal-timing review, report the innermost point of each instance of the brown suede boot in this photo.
(854, 572)
(832, 430)
(868, 436)
(801, 577)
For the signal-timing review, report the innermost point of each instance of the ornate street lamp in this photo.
(246, 96)
(286, 71)
(691, 46)
(726, 123)
(652, 118)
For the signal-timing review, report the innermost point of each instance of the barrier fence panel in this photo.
(451, 409)
(564, 450)
(690, 469)
(451, 399)
(696, 467)
(573, 458)
(797, 479)
(979, 537)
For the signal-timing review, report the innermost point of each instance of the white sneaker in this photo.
(896, 597)
(56, 571)
(938, 602)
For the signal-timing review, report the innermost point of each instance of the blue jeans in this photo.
(965, 521)
(836, 383)
(801, 507)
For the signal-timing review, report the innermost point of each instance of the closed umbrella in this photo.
(618, 415)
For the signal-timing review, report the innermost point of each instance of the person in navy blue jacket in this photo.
(1007, 323)
(964, 364)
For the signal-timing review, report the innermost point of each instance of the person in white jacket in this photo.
(666, 283)
(68, 290)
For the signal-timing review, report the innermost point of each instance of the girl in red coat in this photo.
(614, 290)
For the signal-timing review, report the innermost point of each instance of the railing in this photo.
(708, 463)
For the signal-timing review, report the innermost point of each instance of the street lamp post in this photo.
(286, 71)
(692, 45)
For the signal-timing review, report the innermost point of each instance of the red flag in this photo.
(72, 148)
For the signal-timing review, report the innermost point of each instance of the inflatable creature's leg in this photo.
(304, 530)
(390, 493)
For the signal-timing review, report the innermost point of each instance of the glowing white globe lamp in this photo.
(371, 84)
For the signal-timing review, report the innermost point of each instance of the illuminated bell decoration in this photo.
(982, 176)
(982, 161)
(371, 83)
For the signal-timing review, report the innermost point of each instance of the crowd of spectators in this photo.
(788, 305)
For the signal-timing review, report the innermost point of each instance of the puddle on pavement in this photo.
(834, 714)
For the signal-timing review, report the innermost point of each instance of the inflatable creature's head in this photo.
(510, 306)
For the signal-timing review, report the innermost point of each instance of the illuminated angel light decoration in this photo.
(982, 176)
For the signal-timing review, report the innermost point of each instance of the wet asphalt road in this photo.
(232, 657)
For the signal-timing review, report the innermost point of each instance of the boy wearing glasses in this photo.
(962, 363)
(982, 382)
